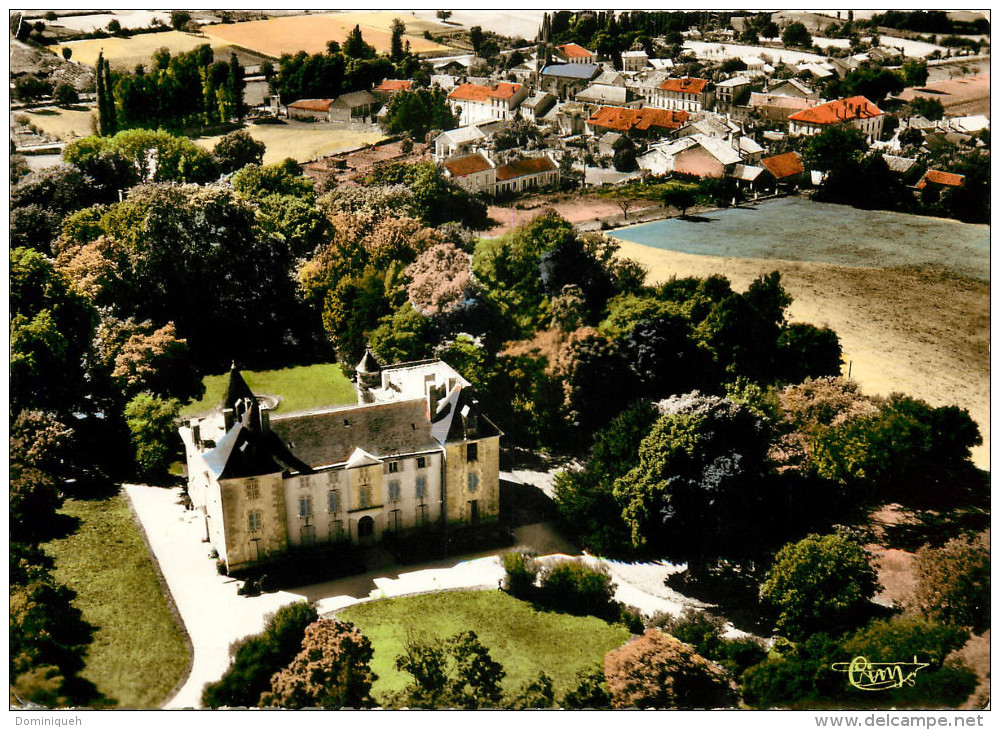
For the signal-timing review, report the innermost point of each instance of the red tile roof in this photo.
(475, 92)
(940, 178)
(836, 112)
(468, 165)
(522, 168)
(313, 105)
(622, 119)
(686, 85)
(395, 85)
(782, 166)
(572, 50)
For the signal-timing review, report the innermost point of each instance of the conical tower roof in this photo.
(239, 397)
(368, 363)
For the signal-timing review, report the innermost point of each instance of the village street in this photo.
(214, 615)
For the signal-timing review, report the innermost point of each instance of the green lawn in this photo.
(138, 654)
(524, 640)
(300, 388)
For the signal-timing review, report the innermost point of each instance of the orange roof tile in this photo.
(938, 177)
(312, 105)
(475, 92)
(686, 85)
(836, 112)
(573, 50)
(468, 165)
(623, 119)
(395, 85)
(782, 166)
(527, 166)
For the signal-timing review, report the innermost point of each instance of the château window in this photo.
(334, 503)
(472, 452)
(394, 490)
(421, 487)
(421, 462)
(305, 506)
(473, 482)
(253, 520)
(252, 487)
(365, 495)
(393, 467)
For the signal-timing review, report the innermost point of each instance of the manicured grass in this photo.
(302, 141)
(300, 388)
(138, 653)
(525, 641)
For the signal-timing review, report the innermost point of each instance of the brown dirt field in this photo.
(310, 33)
(960, 96)
(919, 331)
(897, 574)
(574, 209)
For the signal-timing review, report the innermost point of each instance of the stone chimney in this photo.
(265, 418)
(228, 418)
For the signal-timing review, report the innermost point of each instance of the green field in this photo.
(138, 654)
(301, 388)
(525, 641)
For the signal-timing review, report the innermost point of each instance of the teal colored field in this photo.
(796, 229)
(524, 640)
(300, 388)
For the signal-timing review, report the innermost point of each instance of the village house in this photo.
(607, 94)
(475, 173)
(937, 181)
(537, 106)
(793, 87)
(318, 109)
(698, 154)
(474, 103)
(633, 61)
(645, 122)
(416, 454)
(777, 108)
(855, 111)
(526, 174)
(571, 117)
(565, 80)
(683, 94)
(728, 92)
(390, 87)
(355, 105)
(786, 170)
(457, 141)
(574, 53)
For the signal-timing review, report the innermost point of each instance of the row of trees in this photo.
(175, 92)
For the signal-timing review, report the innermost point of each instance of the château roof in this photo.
(836, 112)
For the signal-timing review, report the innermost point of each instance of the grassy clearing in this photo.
(301, 141)
(642, 190)
(138, 653)
(524, 640)
(62, 124)
(300, 388)
(124, 53)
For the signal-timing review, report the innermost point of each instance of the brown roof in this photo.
(313, 105)
(686, 85)
(525, 167)
(835, 112)
(573, 50)
(395, 85)
(938, 177)
(782, 166)
(383, 429)
(467, 165)
(622, 119)
(475, 92)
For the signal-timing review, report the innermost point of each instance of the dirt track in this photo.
(915, 330)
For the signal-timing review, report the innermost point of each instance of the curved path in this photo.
(215, 616)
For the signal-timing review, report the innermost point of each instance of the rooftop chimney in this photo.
(227, 417)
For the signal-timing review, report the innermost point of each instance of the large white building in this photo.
(474, 103)
(414, 454)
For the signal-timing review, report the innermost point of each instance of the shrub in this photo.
(953, 582)
(520, 575)
(591, 691)
(65, 95)
(575, 588)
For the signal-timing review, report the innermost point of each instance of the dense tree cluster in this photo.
(418, 112)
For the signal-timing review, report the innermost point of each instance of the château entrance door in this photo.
(366, 531)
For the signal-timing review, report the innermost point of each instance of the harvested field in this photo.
(960, 96)
(62, 124)
(124, 53)
(302, 141)
(310, 33)
(920, 329)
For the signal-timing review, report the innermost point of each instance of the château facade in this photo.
(414, 454)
